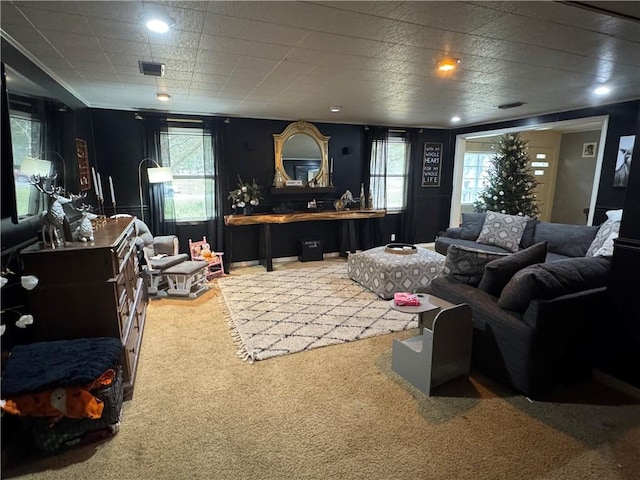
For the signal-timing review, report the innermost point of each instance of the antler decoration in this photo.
(53, 218)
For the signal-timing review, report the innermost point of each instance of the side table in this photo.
(442, 351)
(429, 307)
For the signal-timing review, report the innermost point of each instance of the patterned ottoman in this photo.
(385, 273)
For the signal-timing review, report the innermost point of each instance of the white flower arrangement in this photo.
(246, 193)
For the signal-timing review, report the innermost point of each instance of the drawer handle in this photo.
(132, 350)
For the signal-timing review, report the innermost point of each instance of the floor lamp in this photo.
(155, 174)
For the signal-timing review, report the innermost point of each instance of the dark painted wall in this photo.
(117, 141)
(248, 153)
(619, 354)
(433, 203)
(248, 150)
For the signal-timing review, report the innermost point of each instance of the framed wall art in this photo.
(431, 163)
(589, 149)
(623, 161)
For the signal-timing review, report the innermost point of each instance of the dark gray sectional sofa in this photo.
(533, 329)
(564, 241)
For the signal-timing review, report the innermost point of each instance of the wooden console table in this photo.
(265, 221)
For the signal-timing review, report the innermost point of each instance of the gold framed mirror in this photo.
(301, 153)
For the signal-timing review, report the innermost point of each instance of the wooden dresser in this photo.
(90, 289)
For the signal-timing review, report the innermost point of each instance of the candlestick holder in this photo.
(102, 218)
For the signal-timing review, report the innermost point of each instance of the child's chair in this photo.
(202, 251)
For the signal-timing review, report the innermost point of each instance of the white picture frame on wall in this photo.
(623, 161)
(589, 150)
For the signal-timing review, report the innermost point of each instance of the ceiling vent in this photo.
(506, 106)
(151, 68)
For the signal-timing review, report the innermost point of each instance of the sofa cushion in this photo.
(528, 234)
(564, 239)
(467, 264)
(602, 245)
(546, 281)
(554, 257)
(472, 225)
(442, 244)
(503, 230)
(497, 273)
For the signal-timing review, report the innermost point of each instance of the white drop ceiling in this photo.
(293, 60)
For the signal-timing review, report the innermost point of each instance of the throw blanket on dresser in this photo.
(47, 365)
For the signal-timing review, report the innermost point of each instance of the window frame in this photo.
(394, 137)
(480, 172)
(26, 108)
(179, 128)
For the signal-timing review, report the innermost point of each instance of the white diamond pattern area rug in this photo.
(288, 311)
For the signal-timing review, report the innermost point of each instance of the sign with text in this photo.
(431, 164)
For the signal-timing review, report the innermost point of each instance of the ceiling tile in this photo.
(126, 48)
(51, 20)
(293, 59)
(164, 53)
(244, 29)
(122, 30)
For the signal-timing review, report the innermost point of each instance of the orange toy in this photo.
(72, 402)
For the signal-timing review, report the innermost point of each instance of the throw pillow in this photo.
(529, 233)
(565, 239)
(472, 225)
(497, 273)
(503, 230)
(614, 215)
(546, 281)
(467, 264)
(602, 245)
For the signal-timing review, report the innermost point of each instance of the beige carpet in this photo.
(199, 412)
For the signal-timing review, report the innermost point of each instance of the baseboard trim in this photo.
(616, 384)
(253, 263)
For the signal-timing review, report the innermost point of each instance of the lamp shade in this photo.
(160, 174)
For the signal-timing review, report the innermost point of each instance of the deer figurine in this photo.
(53, 218)
(84, 231)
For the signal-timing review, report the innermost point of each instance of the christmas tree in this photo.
(511, 185)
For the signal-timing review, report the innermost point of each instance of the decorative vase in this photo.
(247, 209)
(363, 199)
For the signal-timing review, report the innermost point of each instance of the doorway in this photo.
(553, 163)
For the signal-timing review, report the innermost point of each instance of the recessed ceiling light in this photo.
(335, 109)
(455, 119)
(448, 64)
(602, 90)
(163, 97)
(158, 22)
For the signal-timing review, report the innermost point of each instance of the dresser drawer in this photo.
(133, 337)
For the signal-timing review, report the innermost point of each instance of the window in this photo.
(25, 141)
(474, 175)
(189, 153)
(389, 172)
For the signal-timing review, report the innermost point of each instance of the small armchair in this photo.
(160, 253)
